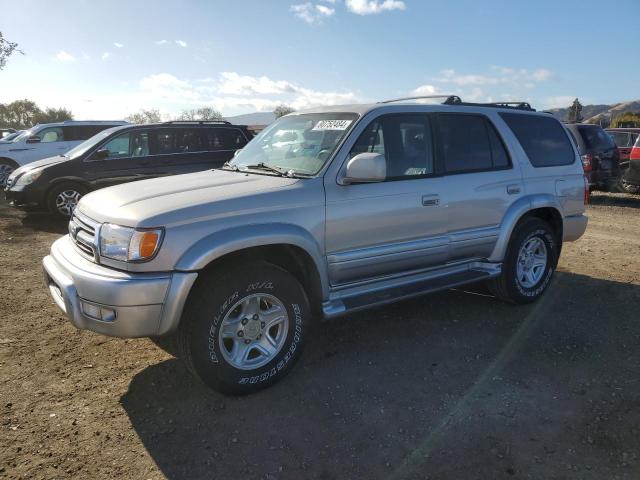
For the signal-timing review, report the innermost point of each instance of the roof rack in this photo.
(200, 122)
(449, 99)
(514, 105)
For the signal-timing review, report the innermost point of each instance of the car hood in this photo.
(174, 200)
(45, 162)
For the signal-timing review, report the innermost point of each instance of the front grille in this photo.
(82, 231)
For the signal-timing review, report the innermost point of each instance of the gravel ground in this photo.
(451, 386)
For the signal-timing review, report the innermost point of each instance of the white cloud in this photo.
(65, 57)
(312, 13)
(499, 75)
(558, 101)
(182, 43)
(167, 86)
(118, 45)
(106, 55)
(425, 90)
(161, 42)
(370, 7)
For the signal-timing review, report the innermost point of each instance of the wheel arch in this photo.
(10, 161)
(544, 207)
(287, 246)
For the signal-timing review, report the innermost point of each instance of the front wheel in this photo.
(528, 266)
(63, 198)
(244, 327)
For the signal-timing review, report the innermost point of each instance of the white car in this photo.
(46, 140)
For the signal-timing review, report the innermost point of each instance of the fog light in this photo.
(98, 312)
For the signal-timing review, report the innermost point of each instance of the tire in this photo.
(625, 187)
(228, 316)
(63, 198)
(527, 283)
(6, 168)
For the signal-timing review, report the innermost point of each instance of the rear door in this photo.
(604, 151)
(481, 182)
(222, 143)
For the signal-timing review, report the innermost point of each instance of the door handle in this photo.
(513, 189)
(430, 200)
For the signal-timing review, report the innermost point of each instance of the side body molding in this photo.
(234, 239)
(515, 213)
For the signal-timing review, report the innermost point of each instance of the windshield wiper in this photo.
(230, 166)
(263, 166)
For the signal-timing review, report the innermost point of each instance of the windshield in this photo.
(297, 143)
(90, 143)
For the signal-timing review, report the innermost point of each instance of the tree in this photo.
(282, 110)
(626, 120)
(574, 115)
(200, 114)
(25, 113)
(7, 49)
(145, 116)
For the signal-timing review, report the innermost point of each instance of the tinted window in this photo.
(233, 139)
(176, 140)
(130, 144)
(542, 138)
(470, 143)
(404, 140)
(595, 137)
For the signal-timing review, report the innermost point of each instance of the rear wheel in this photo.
(244, 327)
(531, 258)
(63, 198)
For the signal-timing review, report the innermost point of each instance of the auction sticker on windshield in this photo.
(332, 125)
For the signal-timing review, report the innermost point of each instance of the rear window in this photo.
(595, 137)
(543, 139)
(622, 139)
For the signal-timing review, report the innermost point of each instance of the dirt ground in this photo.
(451, 386)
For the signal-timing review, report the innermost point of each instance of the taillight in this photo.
(587, 193)
(587, 162)
(635, 153)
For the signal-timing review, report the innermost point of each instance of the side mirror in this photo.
(235, 154)
(365, 168)
(100, 154)
(33, 139)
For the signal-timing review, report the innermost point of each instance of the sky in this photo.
(106, 60)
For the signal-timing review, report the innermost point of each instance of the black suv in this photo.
(600, 157)
(123, 154)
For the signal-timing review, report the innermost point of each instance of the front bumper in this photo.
(24, 198)
(142, 304)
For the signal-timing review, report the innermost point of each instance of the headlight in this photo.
(29, 177)
(129, 244)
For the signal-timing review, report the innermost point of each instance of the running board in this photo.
(360, 297)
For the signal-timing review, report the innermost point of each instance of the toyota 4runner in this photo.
(368, 204)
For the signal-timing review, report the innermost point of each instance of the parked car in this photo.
(391, 200)
(46, 140)
(628, 143)
(6, 131)
(123, 154)
(10, 136)
(599, 154)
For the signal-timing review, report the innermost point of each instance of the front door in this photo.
(377, 229)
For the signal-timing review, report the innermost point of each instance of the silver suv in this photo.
(368, 204)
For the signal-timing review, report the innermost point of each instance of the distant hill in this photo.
(596, 113)
(257, 118)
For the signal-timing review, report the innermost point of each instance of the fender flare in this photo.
(231, 240)
(514, 213)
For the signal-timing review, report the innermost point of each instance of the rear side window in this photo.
(543, 139)
(470, 143)
(168, 141)
(225, 139)
(595, 137)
